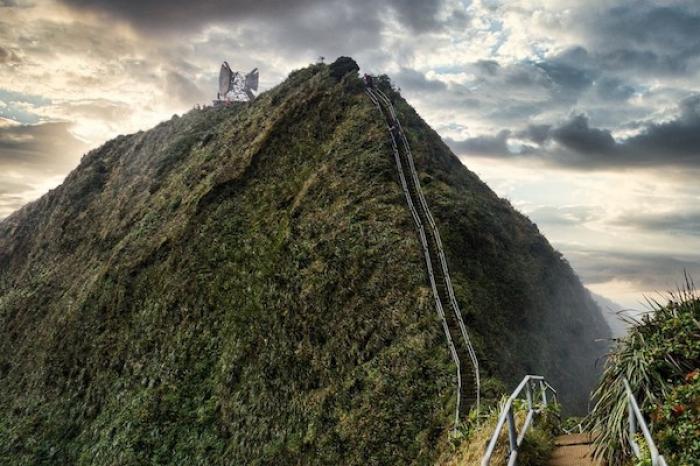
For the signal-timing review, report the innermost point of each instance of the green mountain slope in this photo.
(244, 285)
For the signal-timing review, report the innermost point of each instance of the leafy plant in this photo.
(677, 422)
(655, 357)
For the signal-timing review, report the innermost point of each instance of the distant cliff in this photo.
(614, 315)
(244, 285)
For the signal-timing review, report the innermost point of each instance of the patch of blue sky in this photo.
(13, 96)
(496, 28)
(17, 106)
(18, 115)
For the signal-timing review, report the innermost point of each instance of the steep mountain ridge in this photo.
(243, 285)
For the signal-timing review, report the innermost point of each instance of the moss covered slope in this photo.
(243, 285)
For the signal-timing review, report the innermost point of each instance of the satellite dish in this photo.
(251, 80)
(225, 79)
(234, 87)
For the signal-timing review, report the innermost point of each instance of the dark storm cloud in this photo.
(578, 136)
(648, 36)
(413, 80)
(482, 145)
(567, 71)
(620, 50)
(612, 88)
(183, 14)
(177, 15)
(660, 272)
(676, 141)
(416, 14)
(47, 148)
(536, 133)
(678, 223)
(331, 29)
(577, 144)
(507, 94)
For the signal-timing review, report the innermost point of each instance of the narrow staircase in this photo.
(570, 449)
(460, 346)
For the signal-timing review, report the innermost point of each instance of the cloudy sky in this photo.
(584, 114)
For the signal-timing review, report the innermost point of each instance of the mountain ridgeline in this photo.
(244, 285)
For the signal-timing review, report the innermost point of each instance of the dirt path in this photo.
(573, 450)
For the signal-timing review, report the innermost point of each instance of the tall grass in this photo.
(659, 350)
(475, 434)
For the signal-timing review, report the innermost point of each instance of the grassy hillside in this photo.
(660, 357)
(243, 285)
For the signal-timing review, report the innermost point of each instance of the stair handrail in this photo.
(441, 253)
(515, 439)
(426, 254)
(636, 419)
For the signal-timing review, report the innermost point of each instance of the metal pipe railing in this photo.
(533, 385)
(426, 254)
(635, 420)
(440, 251)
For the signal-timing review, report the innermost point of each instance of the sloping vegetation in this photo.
(468, 447)
(660, 357)
(243, 285)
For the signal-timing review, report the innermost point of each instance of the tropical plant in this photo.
(659, 358)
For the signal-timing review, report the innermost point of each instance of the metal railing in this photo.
(441, 253)
(636, 420)
(377, 96)
(532, 385)
(426, 254)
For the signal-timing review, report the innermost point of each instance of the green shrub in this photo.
(656, 357)
(343, 66)
(677, 422)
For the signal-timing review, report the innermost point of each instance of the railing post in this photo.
(632, 421)
(512, 433)
(507, 415)
(543, 387)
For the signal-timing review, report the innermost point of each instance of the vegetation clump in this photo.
(660, 357)
(343, 66)
(468, 447)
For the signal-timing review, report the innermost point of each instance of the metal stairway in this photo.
(461, 349)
